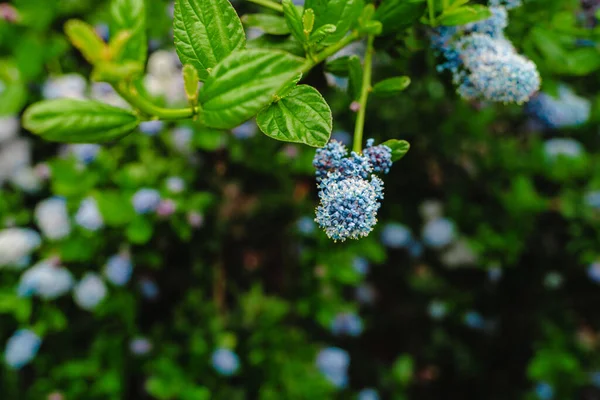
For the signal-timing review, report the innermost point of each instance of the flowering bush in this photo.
(156, 242)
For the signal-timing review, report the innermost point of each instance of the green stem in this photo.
(133, 97)
(431, 7)
(269, 4)
(328, 52)
(364, 95)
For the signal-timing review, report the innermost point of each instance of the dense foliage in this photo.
(157, 243)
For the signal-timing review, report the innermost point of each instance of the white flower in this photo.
(14, 155)
(17, 243)
(90, 291)
(9, 126)
(70, 86)
(88, 216)
(52, 218)
(45, 280)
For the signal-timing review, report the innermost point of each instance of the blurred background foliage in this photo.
(501, 305)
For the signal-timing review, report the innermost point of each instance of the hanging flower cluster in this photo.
(348, 190)
(484, 64)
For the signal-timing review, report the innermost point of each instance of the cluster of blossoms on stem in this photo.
(348, 189)
(483, 63)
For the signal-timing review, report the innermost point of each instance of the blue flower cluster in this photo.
(484, 64)
(333, 363)
(566, 110)
(348, 190)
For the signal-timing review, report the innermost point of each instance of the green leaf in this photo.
(303, 116)
(340, 13)
(399, 148)
(355, 73)
(465, 15)
(107, 71)
(86, 40)
(269, 23)
(14, 94)
(139, 231)
(372, 28)
(206, 32)
(582, 62)
(190, 81)
(78, 121)
(397, 15)
(117, 45)
(391, 86)
(403, 369)
(308, 21)
(130, 15)
(294, 20)
(338, 66)
(115, 208)
(285, 43)
(322, 33)
(243, 83)
(289, 86)
(208, 139)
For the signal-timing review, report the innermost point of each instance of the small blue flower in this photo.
(102, 31)
(354, 166)
(16, 244)
(85, 152)
(89, 291)
(46, 280)
(562, 147)
(182, 138)
(494, 274)
(415, 249)
(245, 131)
(365, 294)
(333, 363)
(361, 265)
(437, 309)
(148, 288)
(146, 200)
(592, 199)
(305, 225)
(348, 208)
(544, 391)
(347, 324)
(225, 362)
(594, 272)
(493, 26)
(380, 156)
(368, 394)
(140, 346)
(21, 348)
(151, 128)
(328, 159)
(508, 4)
(118, 269)
(396, 235)
(566, 110)
(175, 184)
(474, 320)
(65, 86)
(88, 215)
(438, 233)
(52, 218)
(595, 378)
